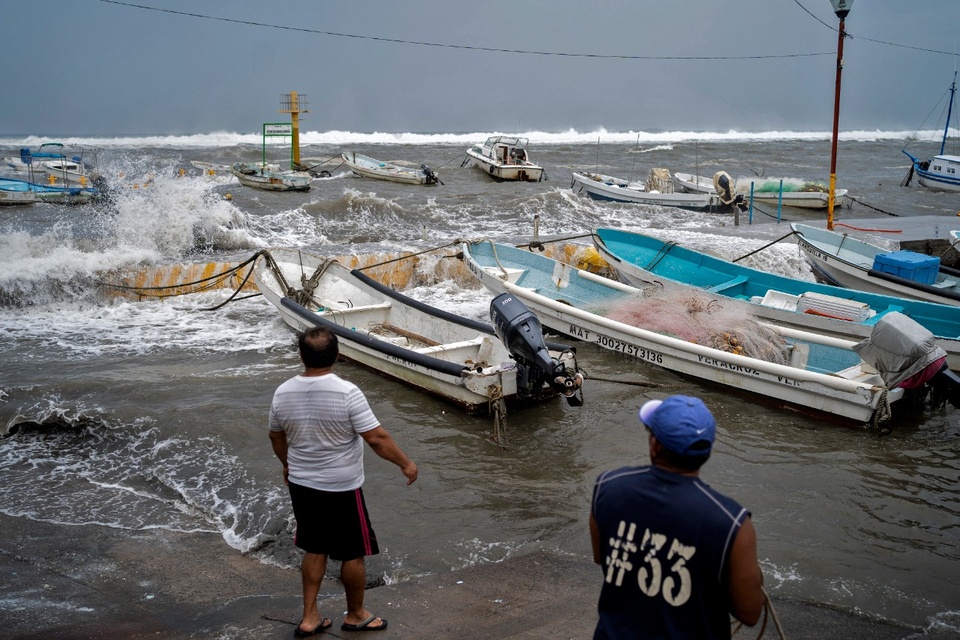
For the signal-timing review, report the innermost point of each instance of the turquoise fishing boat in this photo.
(643, 260)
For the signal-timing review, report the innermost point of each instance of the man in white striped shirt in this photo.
(318, 424)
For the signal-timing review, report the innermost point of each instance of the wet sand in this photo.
(158, 584)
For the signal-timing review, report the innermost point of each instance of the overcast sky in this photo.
(92, 67)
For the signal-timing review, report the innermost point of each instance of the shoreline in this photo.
(88, 581)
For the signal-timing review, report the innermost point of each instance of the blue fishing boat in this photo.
(48, 193)
(643, 260)
(806, 371)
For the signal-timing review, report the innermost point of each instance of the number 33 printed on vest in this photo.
(675, 586)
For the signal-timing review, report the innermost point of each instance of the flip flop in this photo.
(365, 625)
(325, 624)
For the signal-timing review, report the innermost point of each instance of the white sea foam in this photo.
(570, 136)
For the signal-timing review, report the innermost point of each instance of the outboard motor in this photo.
(906, 355)
(520, 331)
(726, 189)
(431, 176)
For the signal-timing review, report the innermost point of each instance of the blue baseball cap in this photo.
(682, 424)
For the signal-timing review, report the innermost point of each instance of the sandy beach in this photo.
(158, 584)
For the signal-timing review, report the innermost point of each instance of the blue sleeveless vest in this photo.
(665, 540)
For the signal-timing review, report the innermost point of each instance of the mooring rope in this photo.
(769, 244)
(203, 284)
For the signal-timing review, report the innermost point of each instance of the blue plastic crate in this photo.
(917, 267)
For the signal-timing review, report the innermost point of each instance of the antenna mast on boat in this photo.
(946, 127)
(294, 104)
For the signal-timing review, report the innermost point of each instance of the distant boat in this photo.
(941, 172)
(52, 162)
(848, 262)
(505, 158)
(461, 360)
(23, 190)
(642, 260)
(368, 167)
(693, 183)
(271, 177)
(603, 187)
(809, 195)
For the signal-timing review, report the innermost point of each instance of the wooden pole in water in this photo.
(841, 8)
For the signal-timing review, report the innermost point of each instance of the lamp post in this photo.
(841, 8)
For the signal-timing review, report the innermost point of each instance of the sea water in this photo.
(139, 414)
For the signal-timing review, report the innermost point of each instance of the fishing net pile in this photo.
(702, 320)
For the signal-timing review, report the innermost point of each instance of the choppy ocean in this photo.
(152, 414)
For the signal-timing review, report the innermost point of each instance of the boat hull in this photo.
(942, 174)
(848, 262)
(834, 311)
(258, 177)
(367, 167)
(45, 193)
(608, 188)
(854, 393)
(800, 199)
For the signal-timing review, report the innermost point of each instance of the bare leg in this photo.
(353, 575)
(312, 568)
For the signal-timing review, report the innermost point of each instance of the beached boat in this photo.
(804, 370)
(23, 190)
(368, 167)
(941, 172)
(270, 177)
(849, 262)
(657, 191)
(505, 158)
(456, 358)
(850, 314)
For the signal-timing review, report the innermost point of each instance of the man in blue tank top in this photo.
(678, 557)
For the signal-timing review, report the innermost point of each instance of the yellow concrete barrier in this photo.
(400, 271)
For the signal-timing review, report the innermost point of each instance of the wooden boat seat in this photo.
(729, 284)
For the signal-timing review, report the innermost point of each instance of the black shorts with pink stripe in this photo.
(335, 523)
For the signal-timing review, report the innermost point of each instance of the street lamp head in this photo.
(842, 7)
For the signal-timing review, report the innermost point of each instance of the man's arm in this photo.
(386, 447)
(278, 440)
(595, 539)
(746, 579)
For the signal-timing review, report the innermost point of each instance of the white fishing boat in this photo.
(270, 177)
(368, 167)
(459, 359)
(505, 158)
(693, 183)
(657, 191)
(842, 260)
(806, 371)
(942, 171)
(809, 195)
